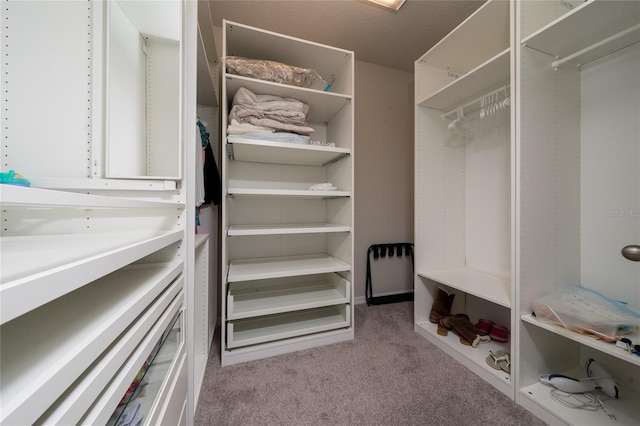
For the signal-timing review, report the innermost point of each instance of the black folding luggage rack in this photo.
(381, 251)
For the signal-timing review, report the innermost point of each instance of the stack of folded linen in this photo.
(252, 113)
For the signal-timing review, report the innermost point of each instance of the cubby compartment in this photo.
(552, 351)
(475, 308)
(473, 56)
(143, 90)
(579, 192)
(334, 65)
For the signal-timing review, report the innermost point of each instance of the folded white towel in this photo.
(323, 187)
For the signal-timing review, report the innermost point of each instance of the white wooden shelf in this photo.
(586, 25)
(71, 261)
(115, 369)
(489, 287)
(322, 105)
(251, 42)
(625, 409)
(39, 366)
(472, 358)
(286, 193)
(258, 298)
(245, 149)
(486, 76)
(20, 196)
(283, 326)
(286, 229)
(279, 267)
(484, 34)
(587, 340)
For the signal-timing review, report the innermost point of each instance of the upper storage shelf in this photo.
(20, 196)
(245, 149)
(482, 39)
(323, 105)
(488, 74)
(72, 261)
(489, 287)
(589, 32)
(333, 64)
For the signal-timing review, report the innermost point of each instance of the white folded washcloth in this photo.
(323, 187)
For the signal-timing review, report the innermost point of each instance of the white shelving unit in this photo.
(546, 201)
(580, 70)
(97, 255)
(287, 250)
(463, 192)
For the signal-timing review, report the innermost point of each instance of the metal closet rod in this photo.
(557, 63)
(475, 101)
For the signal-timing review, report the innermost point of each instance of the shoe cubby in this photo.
(287, 251)
(579, 193)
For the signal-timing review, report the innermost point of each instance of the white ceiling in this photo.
(376, 35)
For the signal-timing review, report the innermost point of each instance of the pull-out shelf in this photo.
(278, 267)
(268, 297)
(283, 326)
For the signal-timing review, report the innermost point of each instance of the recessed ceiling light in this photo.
(391, 4)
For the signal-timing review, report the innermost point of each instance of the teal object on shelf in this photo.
(13, 178)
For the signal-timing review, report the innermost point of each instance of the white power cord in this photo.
(586, 401)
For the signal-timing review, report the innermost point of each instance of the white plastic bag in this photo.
(276, 72)
(586, 311)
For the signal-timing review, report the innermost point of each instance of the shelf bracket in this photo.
(230, 151)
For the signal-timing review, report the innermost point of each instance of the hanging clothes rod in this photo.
(558, 62)
(504, 88)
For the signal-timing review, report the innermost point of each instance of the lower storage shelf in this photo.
(472, 358)
(142, 392)
(121, 379)
(539, 399)
(41, 358)
(588, 340)
(282, 326)
(267, 297)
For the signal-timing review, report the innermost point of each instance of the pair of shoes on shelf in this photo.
(499, 360)
(461, 324)
(496, 332)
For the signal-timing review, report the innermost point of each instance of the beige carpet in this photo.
(387, 376)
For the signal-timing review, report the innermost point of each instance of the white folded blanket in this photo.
(270, 111)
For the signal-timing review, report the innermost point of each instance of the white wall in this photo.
(383, 175)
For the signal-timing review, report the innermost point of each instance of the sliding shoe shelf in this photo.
(463, 184)
(287, 250)
(579, 70)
